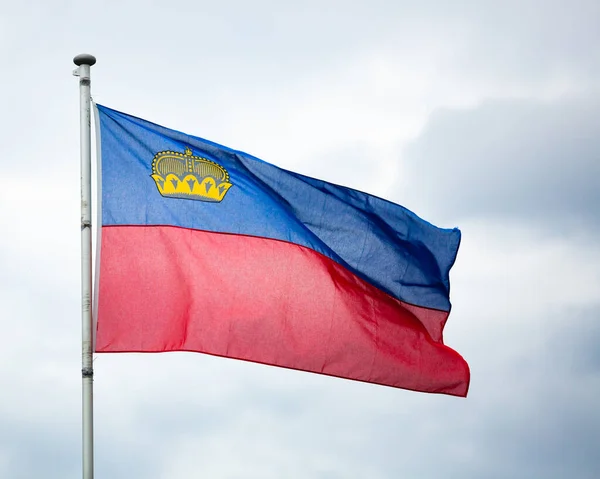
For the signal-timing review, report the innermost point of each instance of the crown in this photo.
(182, 175)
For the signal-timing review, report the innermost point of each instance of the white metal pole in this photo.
(84, 62)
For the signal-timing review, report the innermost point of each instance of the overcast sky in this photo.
(477, 114)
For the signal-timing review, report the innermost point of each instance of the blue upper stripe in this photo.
(380, 241)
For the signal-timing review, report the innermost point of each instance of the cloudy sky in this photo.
(479, 114)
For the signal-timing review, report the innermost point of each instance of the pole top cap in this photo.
(84, 59)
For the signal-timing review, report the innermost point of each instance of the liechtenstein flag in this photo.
(208, 249)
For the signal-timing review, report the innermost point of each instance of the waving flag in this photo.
(208, 249)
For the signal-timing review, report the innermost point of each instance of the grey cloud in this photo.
(515, 41)
(520, 159)
(32, 451)
(354, 165)
(546, 426)
(53, 451)
(576, 341)
(532, 415)
(267, 45)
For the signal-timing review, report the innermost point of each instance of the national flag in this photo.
(204, 248)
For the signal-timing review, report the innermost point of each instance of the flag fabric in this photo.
(204, 248)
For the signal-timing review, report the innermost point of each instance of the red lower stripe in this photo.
(266, 301)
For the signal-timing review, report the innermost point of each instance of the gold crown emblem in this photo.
(182, 175)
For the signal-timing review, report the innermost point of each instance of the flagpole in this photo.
(84, 62)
